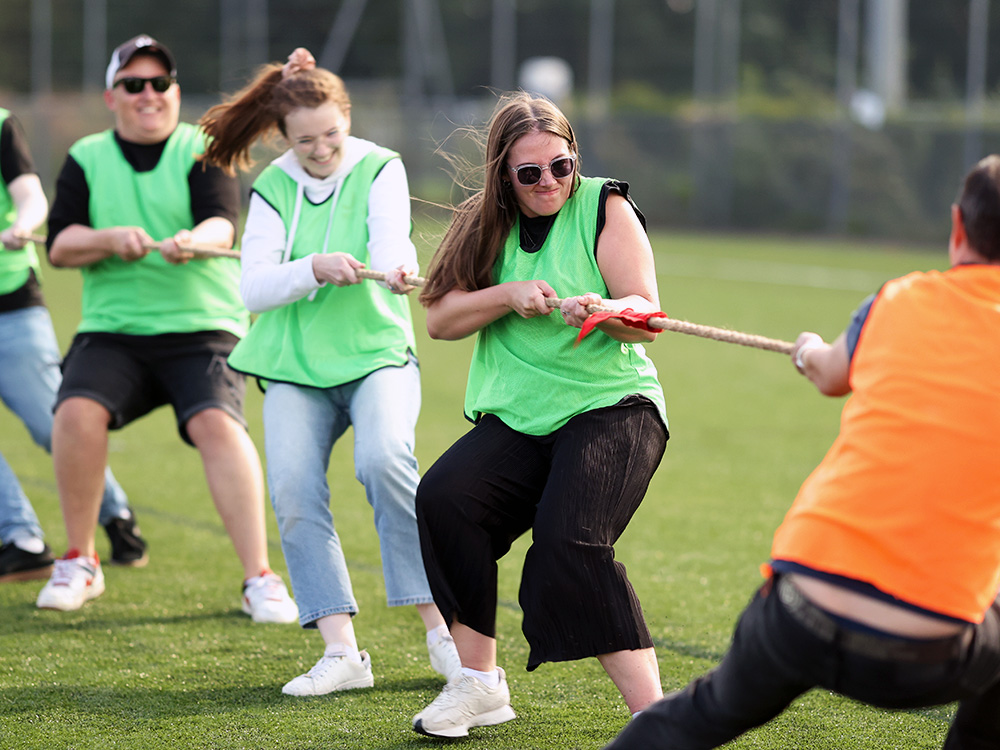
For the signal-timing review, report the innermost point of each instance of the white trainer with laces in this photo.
(445, 659)
(465, 703)
(266, 599)
(75, 580)
(333, 673)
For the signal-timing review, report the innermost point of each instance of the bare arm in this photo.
(459, 314)
(625, 259)
(31, 207)
(78, 245)
(826, 365)
(215, 231)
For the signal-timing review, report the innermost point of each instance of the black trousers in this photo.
(784, 646)
(576, 489)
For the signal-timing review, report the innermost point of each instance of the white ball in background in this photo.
(868, 109)
(552, 77)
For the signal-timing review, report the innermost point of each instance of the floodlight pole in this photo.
(602, 45)
(95, 42)
(503, 45)
(345, 24)
(975, 81)
(840, 159)
(41, 83)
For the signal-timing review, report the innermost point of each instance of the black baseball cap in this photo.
(144, 44)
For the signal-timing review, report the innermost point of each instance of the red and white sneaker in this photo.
(75, 580)
(266, 599)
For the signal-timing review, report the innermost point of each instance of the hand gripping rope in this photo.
(654, 321)
(198, 251)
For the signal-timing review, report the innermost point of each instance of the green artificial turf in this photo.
(165, 659)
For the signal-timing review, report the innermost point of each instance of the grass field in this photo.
(165, 659)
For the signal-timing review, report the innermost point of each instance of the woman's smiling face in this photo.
(549, 194)
(316, 135)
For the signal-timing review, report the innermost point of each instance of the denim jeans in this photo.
(774, 658)
(29, 380)
(301, 425)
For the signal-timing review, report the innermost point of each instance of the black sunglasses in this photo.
(530, 174)
(135, 85)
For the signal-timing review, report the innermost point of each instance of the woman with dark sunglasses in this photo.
(566, 437)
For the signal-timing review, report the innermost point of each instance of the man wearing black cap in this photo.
(156, 328)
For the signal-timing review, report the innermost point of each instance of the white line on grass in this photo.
(769, 272)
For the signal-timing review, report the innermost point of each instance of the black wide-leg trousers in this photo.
(576, 489)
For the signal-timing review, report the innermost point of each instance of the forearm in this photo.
(30, 204)
(216, 231)
(389, 224)
(459, 314)
(617, 330)
(826, 365)
(78, 245)
(266, 284)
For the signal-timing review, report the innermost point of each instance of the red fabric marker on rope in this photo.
(628, 316)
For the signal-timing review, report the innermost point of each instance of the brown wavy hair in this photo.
(259, 110)
(480, 224)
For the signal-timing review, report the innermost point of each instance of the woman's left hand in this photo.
(574, 309)
(396, 283)
(171, 251)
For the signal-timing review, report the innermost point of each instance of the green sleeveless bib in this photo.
(15, 265)
(526, 371)
(150, 296)
(338, 334)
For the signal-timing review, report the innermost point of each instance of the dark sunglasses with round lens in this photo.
(134, 85)
(531, 174)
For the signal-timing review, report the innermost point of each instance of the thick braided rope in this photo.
(198, 251)
(657, 323)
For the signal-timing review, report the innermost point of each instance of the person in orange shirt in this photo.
(884, 575)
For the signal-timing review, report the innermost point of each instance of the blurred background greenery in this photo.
(843, 117)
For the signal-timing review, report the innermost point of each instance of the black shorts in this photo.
(131, 376)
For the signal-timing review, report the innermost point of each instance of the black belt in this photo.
(824, 627)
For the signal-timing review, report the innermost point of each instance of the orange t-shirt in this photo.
(908, 497)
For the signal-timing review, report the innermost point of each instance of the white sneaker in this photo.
(266, 599)
(75, 580)
(465, 703)
(333, 673)
(445, 659)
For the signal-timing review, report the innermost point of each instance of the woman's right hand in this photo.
(527, 298)
(339, 269)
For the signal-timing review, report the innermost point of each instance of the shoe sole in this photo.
(139, 563)
(28, 575)
(488, 719)
(352, 685)
(245, 606)
(91, 593)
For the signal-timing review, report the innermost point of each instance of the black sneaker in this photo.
(17, 564)
(127, 545)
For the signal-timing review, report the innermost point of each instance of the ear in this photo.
(109, 99)
(958, 241)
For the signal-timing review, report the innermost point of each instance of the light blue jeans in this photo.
(29, 380)
(300, 427)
